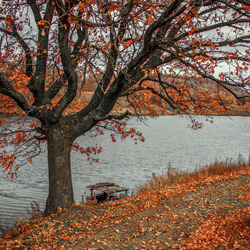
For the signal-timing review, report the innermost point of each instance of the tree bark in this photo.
(61, 193)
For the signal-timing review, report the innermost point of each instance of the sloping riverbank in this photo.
(207, 209)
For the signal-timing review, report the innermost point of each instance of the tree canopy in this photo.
(187, 56)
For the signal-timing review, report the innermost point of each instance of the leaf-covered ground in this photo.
(210, 213)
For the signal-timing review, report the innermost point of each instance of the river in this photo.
(169, 142)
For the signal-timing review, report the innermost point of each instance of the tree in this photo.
(132, 48)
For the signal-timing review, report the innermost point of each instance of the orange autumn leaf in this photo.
(150, 20)
(153, 7)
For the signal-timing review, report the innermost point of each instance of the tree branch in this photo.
(37, 83)
(35, 10)
(7, 89)
(222, 83)
(110, 117)
(212, 27)
(165, 20)
(64, 28)
(14, 33)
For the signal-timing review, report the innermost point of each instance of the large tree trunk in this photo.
(60, 182)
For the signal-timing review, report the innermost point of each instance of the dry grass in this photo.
(174, 177)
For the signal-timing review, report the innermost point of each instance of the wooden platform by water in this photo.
(107, 189)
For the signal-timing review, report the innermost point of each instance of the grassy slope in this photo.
(207, 209)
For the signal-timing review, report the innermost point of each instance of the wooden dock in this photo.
(107, 188)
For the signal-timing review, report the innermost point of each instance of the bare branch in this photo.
(110, 117)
